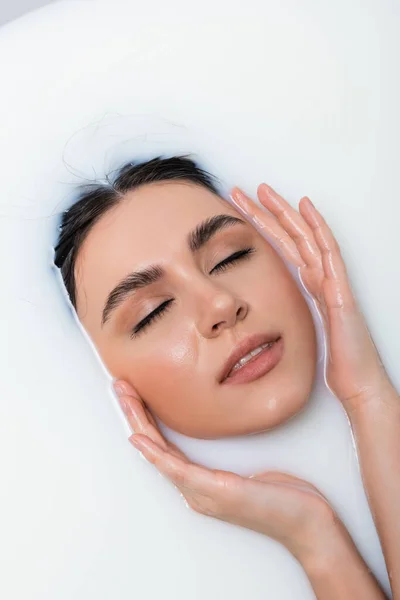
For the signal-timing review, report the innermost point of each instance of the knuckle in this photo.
(178, 477)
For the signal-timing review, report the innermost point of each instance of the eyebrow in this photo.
(196, 239)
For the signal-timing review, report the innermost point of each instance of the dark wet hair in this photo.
(96, 199)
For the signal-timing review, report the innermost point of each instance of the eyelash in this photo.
(162, 309)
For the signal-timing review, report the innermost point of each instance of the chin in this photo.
(279, 408)
(265, 409)
(287, 412)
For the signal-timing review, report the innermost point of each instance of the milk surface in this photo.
(303, 96)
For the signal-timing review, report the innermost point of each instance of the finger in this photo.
(150, 416)
(172, 447)
(175, 451)
(293, 223)
(140, 418)
(274, 477)
(279, 477)
(183, 474)
(338, 286)
(136, 413)
(266, 222)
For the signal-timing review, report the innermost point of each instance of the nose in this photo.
(219, 310)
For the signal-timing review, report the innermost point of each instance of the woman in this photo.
(202, 325)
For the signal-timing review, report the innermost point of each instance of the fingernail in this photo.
(135, 442)
(119, 390)
(312, 203)
(234, 201)
(239, 200)
(270, 190)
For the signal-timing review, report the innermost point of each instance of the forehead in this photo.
(149, 224)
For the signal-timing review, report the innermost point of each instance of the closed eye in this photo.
(236, 256)
(162, 309)
(156, 314)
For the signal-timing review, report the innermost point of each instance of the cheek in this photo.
(163, 372)
(281, 300)
(266, 282)
(300, 335)
(164, 368)
(274, 292)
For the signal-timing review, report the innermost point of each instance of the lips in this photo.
(244, 347)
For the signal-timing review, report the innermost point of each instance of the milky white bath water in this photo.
(302, 96)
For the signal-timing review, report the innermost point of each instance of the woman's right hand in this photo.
(278, 505)
(281, 506)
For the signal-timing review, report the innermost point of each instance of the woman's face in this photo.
(166, 309)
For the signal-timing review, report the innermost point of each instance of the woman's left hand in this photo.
(354, 371)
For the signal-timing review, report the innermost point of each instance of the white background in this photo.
(12, 10)
(304, 96)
